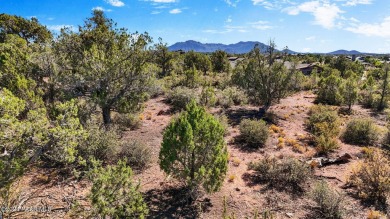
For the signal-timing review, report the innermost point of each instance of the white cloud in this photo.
(310, 38)
(232, 3)
(115, 3)
(101, 9)
(229, 19)
(306, 50)
(357, 2)
(377, 29)
(156, 12)
(325, 14)
(175, 11)
(261, 25)
(58, 28)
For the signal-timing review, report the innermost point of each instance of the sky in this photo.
(301, 25)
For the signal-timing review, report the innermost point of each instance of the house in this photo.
(306, 69)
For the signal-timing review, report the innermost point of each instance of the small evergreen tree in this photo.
(114, 193)
(350, 91)
(330, 90)
(193, 149)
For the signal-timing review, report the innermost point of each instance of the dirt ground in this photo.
(243, 195)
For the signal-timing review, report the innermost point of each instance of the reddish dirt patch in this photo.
(243, 194)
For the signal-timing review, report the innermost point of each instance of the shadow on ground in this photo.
(173, 202)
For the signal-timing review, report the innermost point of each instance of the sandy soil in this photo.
(243, 195)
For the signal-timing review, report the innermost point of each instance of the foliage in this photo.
(191, 78)
(114, 194)
(323, 120)
(254, 132)
(329, 202)
(100, 144)
(324, 124)
(231, 96)
(127, 120)
(179, 97)
(330, 90)
(163, 58)
(325, 144)
(137, 154)
(384, 91)
(262, 77)
(198, 60)
(208, 97)
(29, 30)
(361, 132)
(193, 149)
(368, 91)
(220, 62)
(106, 62)
(372, 178)
(350, 91)
(287, 172)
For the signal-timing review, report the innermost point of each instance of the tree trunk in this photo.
(106, 112)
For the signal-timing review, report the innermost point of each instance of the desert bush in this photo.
(254, 132)
(372, 178)
(232, 96)
(323, 120)
(127, 120)
(288, 172)
(114, 194)
(137, 154)
(224, 121)
(330, 90)
(325, 144)
(179, 97)
(100, 144)
(208, 97)
(361, 132)
(329, 202)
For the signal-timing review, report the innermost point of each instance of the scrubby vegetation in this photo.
(361, 132)
(80, 110)
(254, 132)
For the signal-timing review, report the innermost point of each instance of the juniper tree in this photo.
(193, 149)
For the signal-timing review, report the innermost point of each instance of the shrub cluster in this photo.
(324, 124)
(137, 154)
(372, 178)
(288, 172)
(361, 132)
(231, 96)
(254, 132)
(329, 202)
(179, 97)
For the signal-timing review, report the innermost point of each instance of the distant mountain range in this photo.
(239, 48)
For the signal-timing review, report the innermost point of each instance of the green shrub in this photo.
(325, 144)
(232, 96)
(361, 132)
(372, 178)
(330, 90)
(100, 144)
(179, 97)
(137, 154)
(323, 120)
(254, 132)
(288, 172)
(207, 97)
(114, 194)
(329, 202)
(127, 120)
(224, 121)
(194, 150)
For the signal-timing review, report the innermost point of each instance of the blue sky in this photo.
(302, 25)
